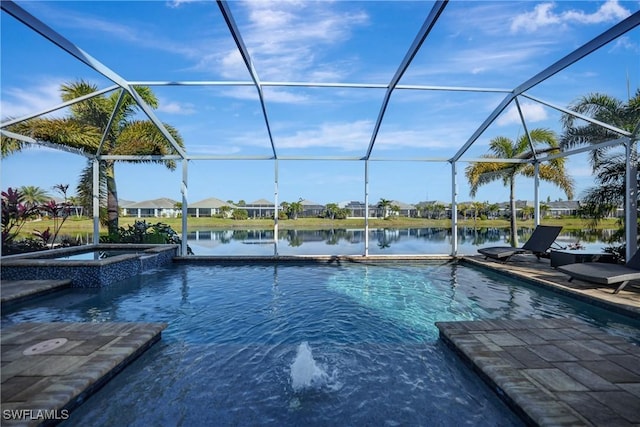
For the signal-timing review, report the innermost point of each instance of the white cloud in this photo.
(352, 136)
(286, 39)
(532, 112)
(174, 107)
(544, 15)
(625, 43)
(20, 101)
(178, 3)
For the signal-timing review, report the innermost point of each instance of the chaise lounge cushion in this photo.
(499, 252)
(539, 243)
(602, 273)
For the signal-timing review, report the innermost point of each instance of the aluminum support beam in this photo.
(591, 46)
(184, 190)
(58, 107)
(244, 52)
(536, 193)
(141, 157)
(426, 28)
(95, 198)
(631, 195)
(366, 208)
(318, 85)
(276, 209)
(584, 149)
(454, 209)
(579, 116)
(105, 133)
(526, 129)
(30, 140)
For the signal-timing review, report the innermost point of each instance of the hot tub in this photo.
(88, 266)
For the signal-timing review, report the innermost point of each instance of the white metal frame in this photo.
(629, 140)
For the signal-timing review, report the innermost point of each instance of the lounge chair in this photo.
(538, 244)
(604, 273)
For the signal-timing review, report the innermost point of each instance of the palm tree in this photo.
(294, 209)
(608, 164)
(502, 147)
(84, 128)
(527, 212)
(331, 210)
(384, 205)
(34, 196)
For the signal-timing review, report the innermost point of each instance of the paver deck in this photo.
(41, 384)
(553, 372)
(16, 291)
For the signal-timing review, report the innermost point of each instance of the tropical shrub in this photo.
(240, 214)
(16, 212)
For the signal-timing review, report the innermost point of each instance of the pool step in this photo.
(48, 369)
(17, 291)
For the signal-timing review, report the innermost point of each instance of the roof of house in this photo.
(162, 203)
(211, 202)
(260, 202)
(402, 205)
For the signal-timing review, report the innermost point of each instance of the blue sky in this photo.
(474, 44)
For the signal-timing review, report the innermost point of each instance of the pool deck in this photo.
(45, 377)
(16, 291)
(551, 372)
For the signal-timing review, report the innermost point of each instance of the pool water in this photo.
(96, 255)
(348, 344)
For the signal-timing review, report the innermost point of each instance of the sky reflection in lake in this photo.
(382, 241)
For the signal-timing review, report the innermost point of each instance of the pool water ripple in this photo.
(234, 333)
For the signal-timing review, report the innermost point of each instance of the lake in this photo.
(382, 241)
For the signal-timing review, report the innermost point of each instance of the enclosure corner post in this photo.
(631, 199)
(96, 201)
(185, 206)
(454, 209)
(536, 193)
(275, 210)
(366, 208)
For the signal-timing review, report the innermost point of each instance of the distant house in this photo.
(406, 209)
(209, 207)
(356, 209)
(504, 208)
(260, 208)
(563, 208)
(433, 209)
(311, 209)
(157, 208)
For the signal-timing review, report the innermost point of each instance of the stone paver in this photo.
(45, 387)
(16, 291)
(551, 384)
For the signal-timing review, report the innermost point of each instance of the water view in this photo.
(382, 241)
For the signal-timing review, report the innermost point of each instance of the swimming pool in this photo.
(304, 344)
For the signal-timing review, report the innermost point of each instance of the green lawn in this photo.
(75, 226)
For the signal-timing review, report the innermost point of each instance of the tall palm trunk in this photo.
(512, 202)
(112, 198)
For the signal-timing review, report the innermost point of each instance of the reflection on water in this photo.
(382, 241)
